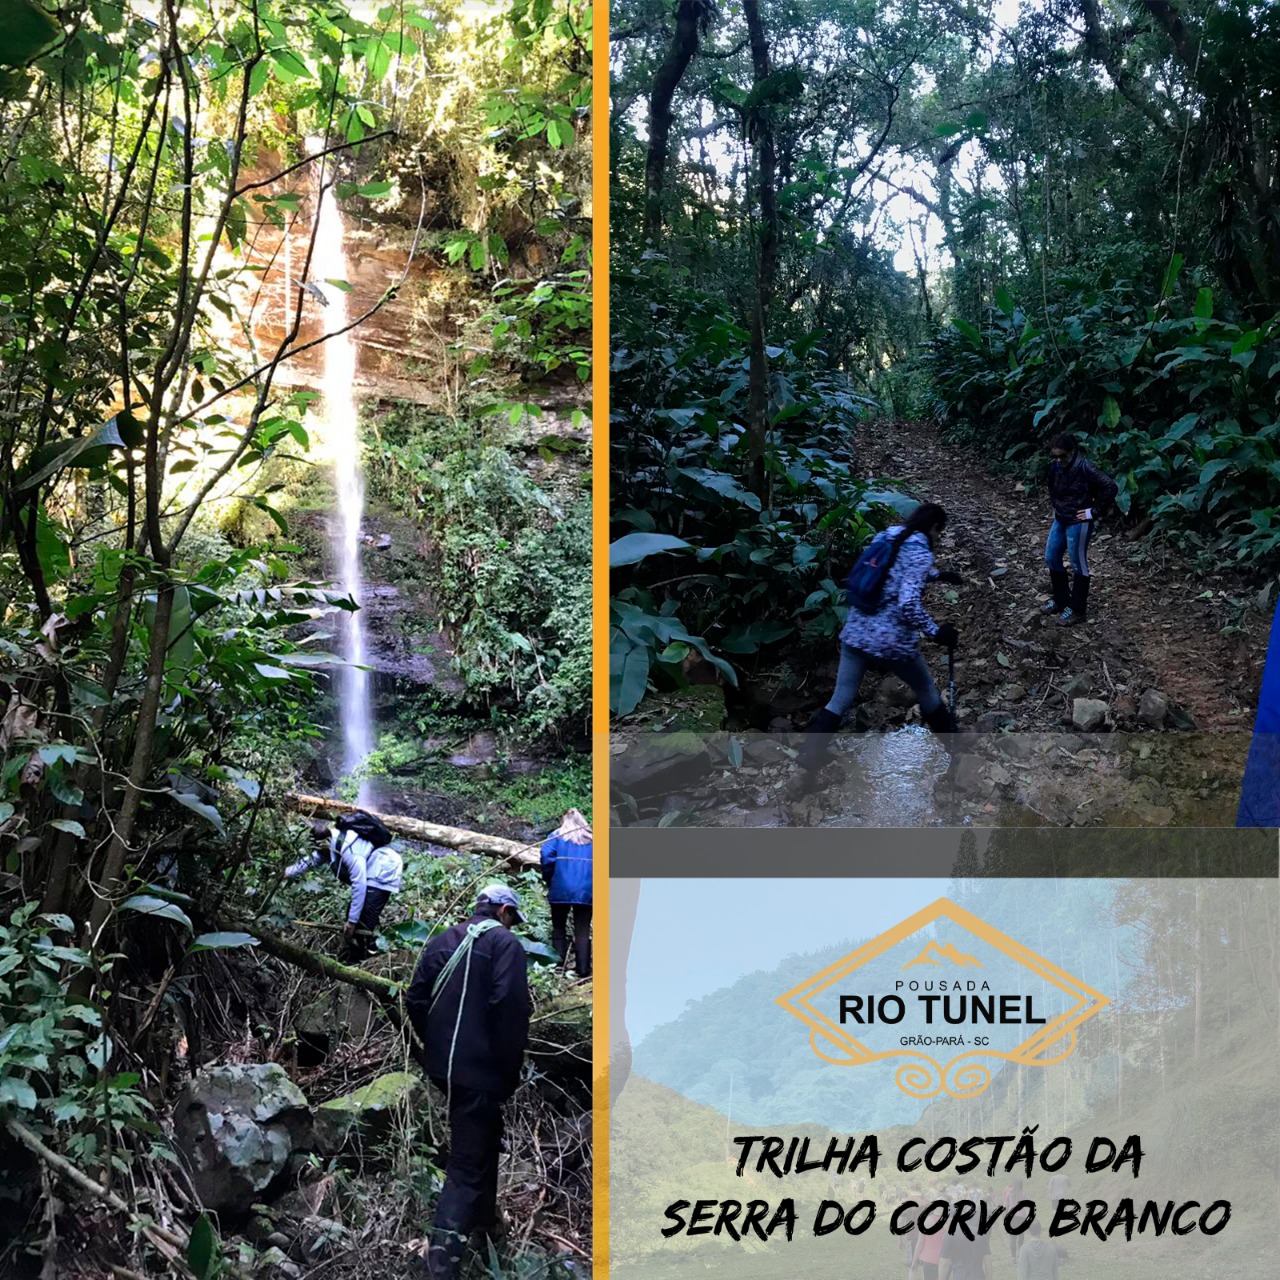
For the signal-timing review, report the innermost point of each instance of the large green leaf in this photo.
(902, 503)
(64, 453)
(189, 800)
(629, 662)
(538, 951)
(631, 548)
(202, 1249)
(413, 933)
(723, 483)
(52, 549)
(28, 30)
(145, 904)
(221, 942)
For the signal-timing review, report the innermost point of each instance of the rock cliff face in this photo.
(401, 343)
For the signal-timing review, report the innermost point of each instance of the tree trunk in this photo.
(766, 255)
(691, 17)
(140, 768)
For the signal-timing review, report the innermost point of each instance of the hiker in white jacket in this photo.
(356, 848)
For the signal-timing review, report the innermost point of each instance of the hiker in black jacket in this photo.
(1080, 493)
(469, 1004)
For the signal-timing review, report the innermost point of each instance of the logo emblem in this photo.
(980, 999)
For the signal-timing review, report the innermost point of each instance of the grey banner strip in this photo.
(874, 853)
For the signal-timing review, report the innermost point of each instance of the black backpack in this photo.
(866, 580)
(366, 827)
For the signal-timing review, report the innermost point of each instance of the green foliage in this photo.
(543, 326)
(1181, 406)
(55, 1050)
(720, 554)
(512, 559)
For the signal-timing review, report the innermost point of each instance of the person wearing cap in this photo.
(469, 1004)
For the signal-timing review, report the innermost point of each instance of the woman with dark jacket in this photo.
(566, 869)
(888, 634)
(1080, 493)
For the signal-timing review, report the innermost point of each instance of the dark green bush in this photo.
(1181, 406)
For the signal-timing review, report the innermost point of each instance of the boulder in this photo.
(993, 721)
(337, 1013)
(1088, 714)
(1153, 707)
(367, 1115)
(1078, 685)
(968, 774)
(481, 751)
(237, 1126)
(1018, 746)
(1152, 815)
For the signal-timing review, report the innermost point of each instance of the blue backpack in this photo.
(865, 585)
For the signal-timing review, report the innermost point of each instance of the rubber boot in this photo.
(814, 748)
(1061, 592)
(444, 1257)
(1078, 610)
(941, 720)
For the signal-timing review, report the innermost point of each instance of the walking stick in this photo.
(951, 678)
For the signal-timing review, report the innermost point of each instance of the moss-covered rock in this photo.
(363, 1119)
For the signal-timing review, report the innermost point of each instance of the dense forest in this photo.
(868, 250)
(294, 516)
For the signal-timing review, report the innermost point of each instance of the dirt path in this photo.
(1154, 621)
(1025, 757)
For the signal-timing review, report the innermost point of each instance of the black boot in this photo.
(1078, 610)
(817, 742)
(444, 1257)
(941, 720)
(1061, 591)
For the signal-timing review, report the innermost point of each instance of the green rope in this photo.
(461, 953)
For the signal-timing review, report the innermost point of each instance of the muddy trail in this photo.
(1140, 717)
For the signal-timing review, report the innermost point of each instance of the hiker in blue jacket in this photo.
(1260, 790)
(1080, 494)
(566, 869)
(885, 630)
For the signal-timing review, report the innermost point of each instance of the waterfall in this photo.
(341, 425)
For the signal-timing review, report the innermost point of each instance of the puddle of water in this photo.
(886, 780)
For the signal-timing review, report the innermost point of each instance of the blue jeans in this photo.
(1071, 540)
(912, 671)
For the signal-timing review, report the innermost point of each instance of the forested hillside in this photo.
(294, 322)
(1183, 1056)
(867, 250)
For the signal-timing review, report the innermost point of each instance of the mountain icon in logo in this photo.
(934, 954)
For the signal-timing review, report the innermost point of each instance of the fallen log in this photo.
(314, 962)
(560, 1025)
(528, 855)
